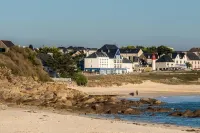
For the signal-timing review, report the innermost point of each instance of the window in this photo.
(176, 62)
(114, 61)
(180, 62)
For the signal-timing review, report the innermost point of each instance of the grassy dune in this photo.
(164, 77)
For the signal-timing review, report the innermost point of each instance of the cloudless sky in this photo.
(92, 23)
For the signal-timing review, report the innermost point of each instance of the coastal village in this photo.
(57, 89)
(110, 59)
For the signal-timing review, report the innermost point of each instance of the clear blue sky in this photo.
(93, 23)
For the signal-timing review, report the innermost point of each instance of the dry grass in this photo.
(23, 62)
(166, 78)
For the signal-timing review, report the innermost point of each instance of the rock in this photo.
(97, 107)
(161, 110)
(187, 113)
(131, 111)
(196, 113)
(176, 113)
(3, 107)
(68, 103)
(150, 101)
(89, 101)
(112, 99)
(158, 102)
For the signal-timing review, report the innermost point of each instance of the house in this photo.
(165, 62)
(90, 51)
(179, 59)
(107, 60)
(63, 50)
(149, 57)
(45, 58)
(196, 51)
(5, 45)
(194, 60)
(130, 53)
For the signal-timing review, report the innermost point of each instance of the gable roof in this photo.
(135, 51)
(165, 58)
(181, 55)
(97, 54)
(192, 56)
(125, 60)
(110, 50)
(7, 43)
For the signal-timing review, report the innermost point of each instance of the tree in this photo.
(128, 47)
(63, 64)
(188, 64)
(31, 46)
(164, 50)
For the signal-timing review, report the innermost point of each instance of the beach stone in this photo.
(89, 101)
(161, 110)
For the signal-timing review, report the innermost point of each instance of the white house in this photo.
(180, 60)
(107, 60)
(165, 62)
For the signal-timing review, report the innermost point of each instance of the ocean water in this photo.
(181, 103)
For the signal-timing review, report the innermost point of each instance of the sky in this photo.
(93, 23)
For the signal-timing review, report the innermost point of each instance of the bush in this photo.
(80, 79)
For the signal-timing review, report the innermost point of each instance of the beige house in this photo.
(131, 53)
(5, 45)
(194, 60)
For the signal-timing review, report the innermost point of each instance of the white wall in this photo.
(128, 66)
(91, 63)
(180, 62)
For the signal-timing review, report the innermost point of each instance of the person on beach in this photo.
(137, 92)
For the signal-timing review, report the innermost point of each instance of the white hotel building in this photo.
(107, 60)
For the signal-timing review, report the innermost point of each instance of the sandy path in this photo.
(147, 88)
(21, 121)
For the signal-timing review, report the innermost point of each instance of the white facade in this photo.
(128, 66)
(180, 62)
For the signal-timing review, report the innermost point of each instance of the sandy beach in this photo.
(14, 120)
(146, 89)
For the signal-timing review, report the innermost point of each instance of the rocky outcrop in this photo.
(150, 101)
(186, 113)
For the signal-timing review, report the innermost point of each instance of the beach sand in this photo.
(146, 89)
(14, 120)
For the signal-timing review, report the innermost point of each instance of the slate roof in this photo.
(109, 49)
(97, 54)
(165, 58)
(7, 43)
(194, 50)
(125, 60)
(149, 55)
(181, 55)
(192, 56)
(135, 51)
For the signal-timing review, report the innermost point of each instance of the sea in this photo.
(181, 103)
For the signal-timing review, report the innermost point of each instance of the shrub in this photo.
(80, 79)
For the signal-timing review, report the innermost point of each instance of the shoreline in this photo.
(86, 123)
(146, 89)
